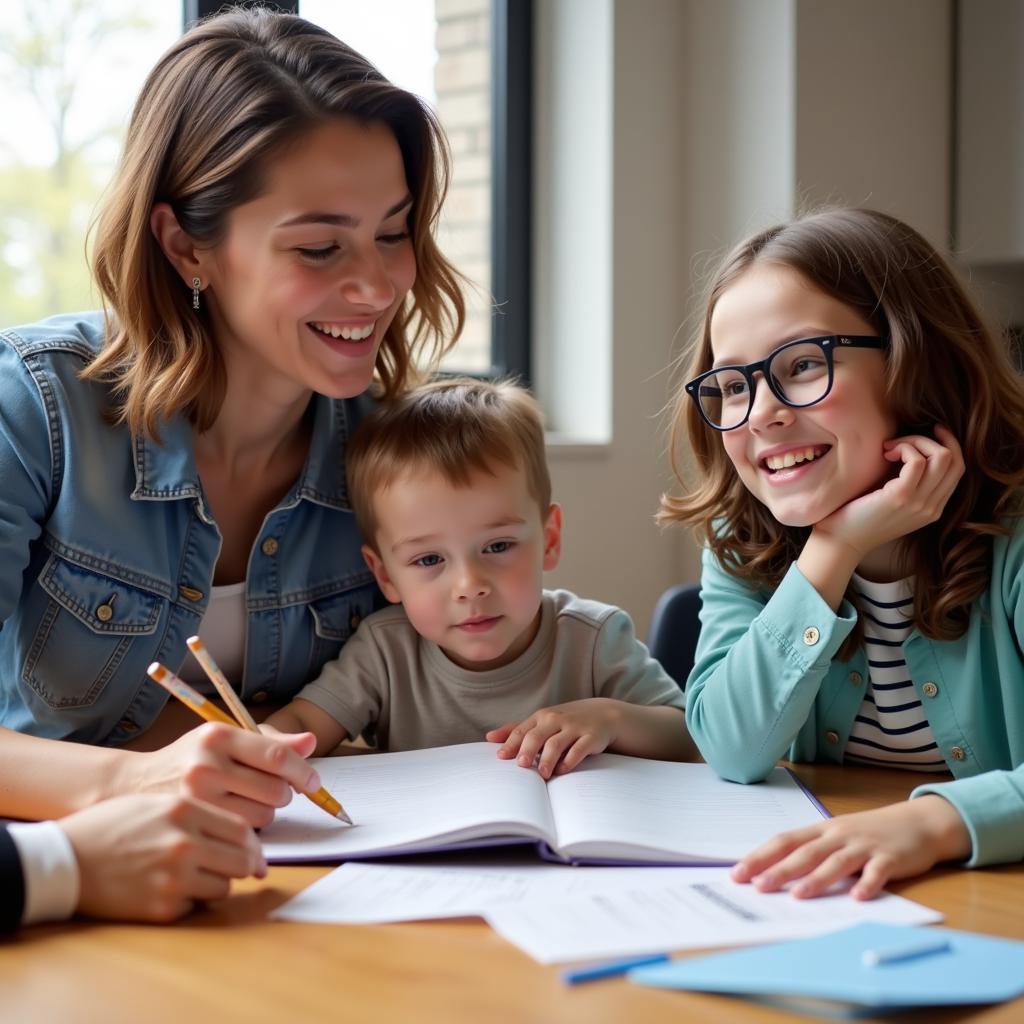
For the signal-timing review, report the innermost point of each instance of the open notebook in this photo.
(612, 809)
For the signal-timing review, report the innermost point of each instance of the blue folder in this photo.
(827, 974)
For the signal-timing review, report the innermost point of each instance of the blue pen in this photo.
(610, 968)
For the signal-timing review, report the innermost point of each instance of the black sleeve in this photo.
(12, 884)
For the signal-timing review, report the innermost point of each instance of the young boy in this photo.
(450, 487)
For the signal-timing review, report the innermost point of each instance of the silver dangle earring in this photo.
(195, 292)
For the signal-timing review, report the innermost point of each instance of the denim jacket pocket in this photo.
(87, 625)
(336, 617)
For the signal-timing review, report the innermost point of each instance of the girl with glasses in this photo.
(858, 433)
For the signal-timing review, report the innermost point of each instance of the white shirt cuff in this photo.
(50, 868)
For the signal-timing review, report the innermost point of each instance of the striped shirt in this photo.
(891, 728)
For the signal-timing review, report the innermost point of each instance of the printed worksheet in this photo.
(358, 893)
(707, 909)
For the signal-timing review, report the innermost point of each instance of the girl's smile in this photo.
(784, 463)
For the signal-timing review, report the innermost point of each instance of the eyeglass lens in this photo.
(799, 373)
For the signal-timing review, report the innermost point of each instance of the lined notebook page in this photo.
(412, 798)
(611, 804)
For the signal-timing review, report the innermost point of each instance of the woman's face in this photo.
(837, 444)
(312, 272)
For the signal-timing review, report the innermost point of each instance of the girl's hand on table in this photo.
(897, 841)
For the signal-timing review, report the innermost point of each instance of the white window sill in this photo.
(567, 447)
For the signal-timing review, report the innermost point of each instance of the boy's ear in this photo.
(380, 572)
(552, 536)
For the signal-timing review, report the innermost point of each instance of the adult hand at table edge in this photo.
(150, 857)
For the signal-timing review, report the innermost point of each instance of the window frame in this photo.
(512, 187)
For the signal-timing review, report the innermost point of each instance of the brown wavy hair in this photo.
(222, 102)
(945, 364)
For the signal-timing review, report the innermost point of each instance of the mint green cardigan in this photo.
(766, 684)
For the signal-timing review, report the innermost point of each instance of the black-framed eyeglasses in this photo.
(799, 373)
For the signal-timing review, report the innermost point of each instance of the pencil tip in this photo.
(345, 818)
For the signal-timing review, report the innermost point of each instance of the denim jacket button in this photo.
(190, 593)
(127, 725)
(259, 697)
(269, 546)
(355, 620)
(104, 613)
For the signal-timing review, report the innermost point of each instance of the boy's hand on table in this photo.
(897, 841)
(561, 736)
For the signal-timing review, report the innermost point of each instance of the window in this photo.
(66, 69)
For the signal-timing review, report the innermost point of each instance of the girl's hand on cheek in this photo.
(928, 474)
(892, 842)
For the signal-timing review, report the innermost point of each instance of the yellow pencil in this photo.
(191, 698)
(322, 798)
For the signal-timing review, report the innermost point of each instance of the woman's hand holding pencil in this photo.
(244, 771)
(319, 796)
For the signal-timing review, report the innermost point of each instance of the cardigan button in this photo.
(959, 754)
(856, 678)
(811, 636)
(929, 689)
(832, 737)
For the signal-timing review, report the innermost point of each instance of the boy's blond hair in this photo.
(453, 427)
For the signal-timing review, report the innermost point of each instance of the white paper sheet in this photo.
(374, 893)
(709, 910)
(557, 913)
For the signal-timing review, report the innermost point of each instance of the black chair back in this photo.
(675, 627)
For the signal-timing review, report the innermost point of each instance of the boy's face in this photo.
(466, 562)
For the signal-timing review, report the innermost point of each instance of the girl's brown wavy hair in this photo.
(945, 365)
(222, 102)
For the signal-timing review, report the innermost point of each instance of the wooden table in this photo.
(229, 963)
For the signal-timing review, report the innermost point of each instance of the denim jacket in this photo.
(767, 684)
(107, 551)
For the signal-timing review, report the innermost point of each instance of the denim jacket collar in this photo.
(167, 471)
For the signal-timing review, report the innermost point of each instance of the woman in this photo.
(176, 464)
